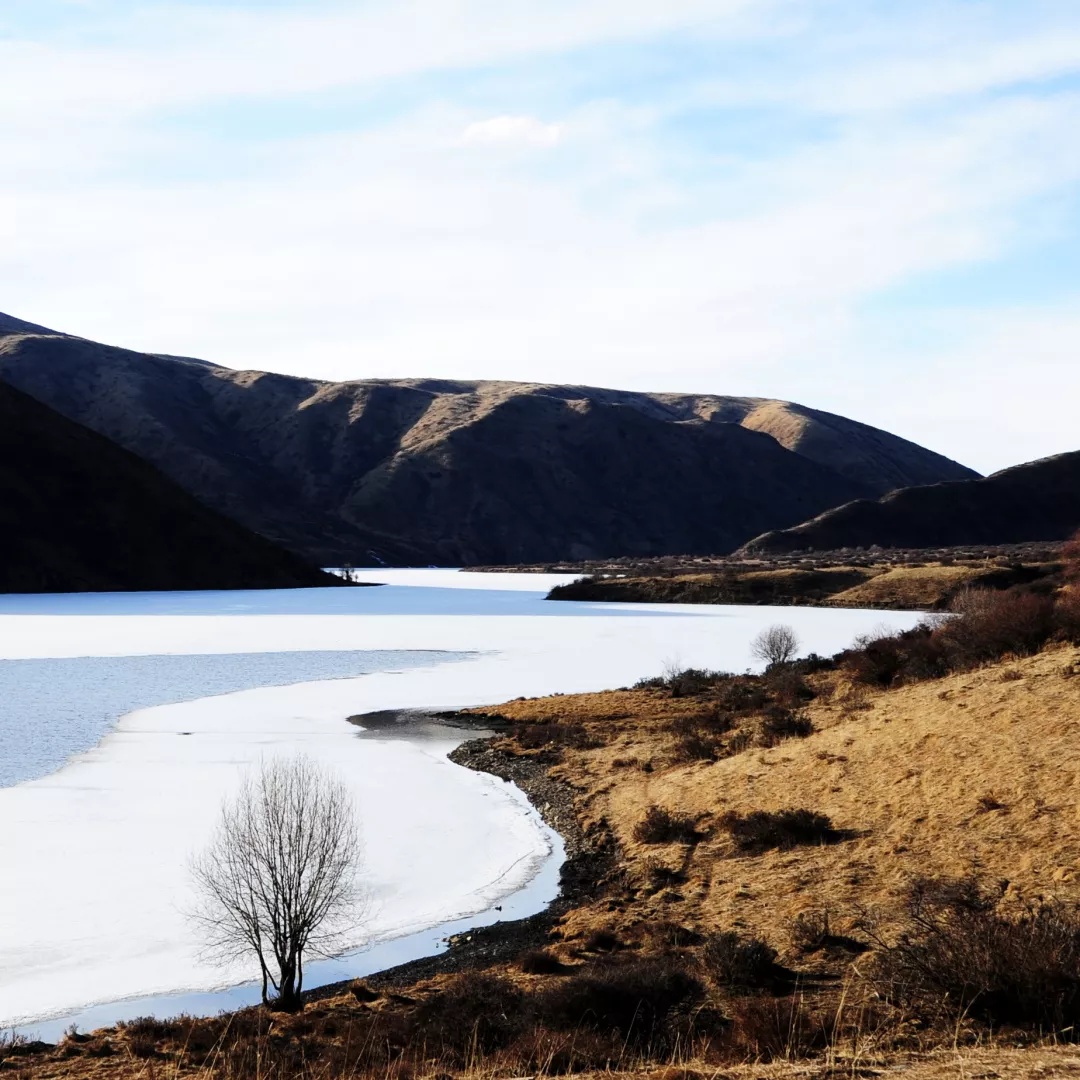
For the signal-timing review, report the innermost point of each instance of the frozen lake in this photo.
(54, 708)
(95, 853)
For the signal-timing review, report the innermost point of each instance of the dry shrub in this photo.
(711, 721)
(646, 1002)
(672, 935)
(959, 954)
(892, 659)
(740, 742)
(142, 1047)
(683, 682)
(761, 830)
(995, 624)
(660, 876)
(13, 1045)
(541, 962)
(743, 695)
(780, 723)
(541, 1052)
(660, 826)
(602, 941)
(693, 746)
(989, 625)
(788, 687)
(810, 931)
(743, 963)
(693, 681)
(474, 1013)
(1070, 556)
(150, 1027)
(1067, 614)
(699, 737)
(542, 736)
(767, 1028)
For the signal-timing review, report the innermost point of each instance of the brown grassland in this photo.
(874, 583)
(865, 866)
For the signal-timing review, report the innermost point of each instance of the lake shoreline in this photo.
(590, 857)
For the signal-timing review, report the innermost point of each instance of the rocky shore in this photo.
(590, 857)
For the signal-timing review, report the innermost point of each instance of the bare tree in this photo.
(279, 878)
(776, 645)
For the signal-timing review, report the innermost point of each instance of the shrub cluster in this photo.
(640, 1003)
(987, 626)
(699, 737)
(544, 736)
(476, 1012)
(761, 830)
(541, 962)
(780, 723)
(660, 826)
(684, 682)
(738, 962)
(960, 954)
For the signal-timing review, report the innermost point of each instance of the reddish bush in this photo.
(1067, 614)
(1070, 555)
(994, 624)
(898, 658)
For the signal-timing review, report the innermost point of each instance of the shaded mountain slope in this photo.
(1036, 501)
(438, 471)
(78, 513)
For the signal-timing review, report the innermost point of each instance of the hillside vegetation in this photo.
(425, 471)
(78, 513)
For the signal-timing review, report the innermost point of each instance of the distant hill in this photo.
(421, 471)
(1037, 501)
(78, 513)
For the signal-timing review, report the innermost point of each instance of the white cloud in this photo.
(183, 53)
(519, 130)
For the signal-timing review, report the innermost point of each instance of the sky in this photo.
(867, 206)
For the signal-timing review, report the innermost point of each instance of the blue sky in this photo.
(869, 207)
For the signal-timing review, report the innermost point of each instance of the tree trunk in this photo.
(288, 997)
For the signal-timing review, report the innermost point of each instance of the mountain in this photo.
(435, 471)
(78, 513)
(1037, 501)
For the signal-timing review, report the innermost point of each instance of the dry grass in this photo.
(909, 587)
(907, 771)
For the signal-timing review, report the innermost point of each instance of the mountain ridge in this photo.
(465, 472)
(1035, 501)
(80, 514)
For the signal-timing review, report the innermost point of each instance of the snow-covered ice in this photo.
(55, 707)
(95, 854)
